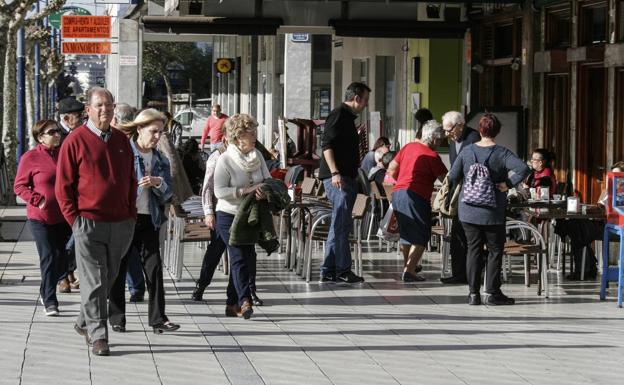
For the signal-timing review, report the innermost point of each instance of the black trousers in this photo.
(50, 241)
(458, 249)
(145, 242)
(493, 236)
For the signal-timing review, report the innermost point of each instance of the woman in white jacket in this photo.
(240, 171)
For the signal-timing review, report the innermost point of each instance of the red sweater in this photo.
(34, 182)
(214, 129)
(95, 179)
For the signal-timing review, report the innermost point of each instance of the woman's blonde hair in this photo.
(237, 125)
(143, 118)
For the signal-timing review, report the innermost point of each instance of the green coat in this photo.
(253, 222)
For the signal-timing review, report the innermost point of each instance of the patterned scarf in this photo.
(249, 162)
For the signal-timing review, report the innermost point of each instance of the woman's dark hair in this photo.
(489, 126)
(547, 156)
(39, 127)
(380, 142)
(387, 158)
(423, 115)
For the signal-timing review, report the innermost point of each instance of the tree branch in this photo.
(53, 6)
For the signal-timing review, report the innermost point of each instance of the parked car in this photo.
(193, 121)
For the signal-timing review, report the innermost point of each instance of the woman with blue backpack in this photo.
(487, 171)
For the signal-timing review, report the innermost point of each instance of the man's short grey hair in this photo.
(431, 132)
(451, 119)
(99, 90)
(124, 113)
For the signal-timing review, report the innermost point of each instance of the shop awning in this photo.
(211, 25)
(399, 29)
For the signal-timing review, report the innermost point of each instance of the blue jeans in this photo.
(242, 262)
(50, 241)
(337, 249)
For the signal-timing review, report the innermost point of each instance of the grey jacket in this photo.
(504, 166)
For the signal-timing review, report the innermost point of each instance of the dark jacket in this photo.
(468, 136)
(340, 135)
(504, 166)
(253, 222)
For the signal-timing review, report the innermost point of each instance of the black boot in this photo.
(198, 292)
(256, 300)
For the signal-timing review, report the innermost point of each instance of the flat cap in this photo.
(70, 104)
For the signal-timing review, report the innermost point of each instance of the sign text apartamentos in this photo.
(92, 27)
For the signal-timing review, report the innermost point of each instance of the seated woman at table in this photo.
(382, 145)
(582, 232)
(380, 175)
(415, 168)
(484, 222)
(542, 174)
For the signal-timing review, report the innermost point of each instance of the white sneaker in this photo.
(51, 311)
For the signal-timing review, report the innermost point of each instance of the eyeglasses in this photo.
(53, 131)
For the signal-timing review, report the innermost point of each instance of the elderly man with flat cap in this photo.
(71, 113)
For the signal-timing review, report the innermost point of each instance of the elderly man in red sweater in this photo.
(96, 190)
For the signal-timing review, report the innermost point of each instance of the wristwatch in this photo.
(335, 173)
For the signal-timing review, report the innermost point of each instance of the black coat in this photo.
(468, 136)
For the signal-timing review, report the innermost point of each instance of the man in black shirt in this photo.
(339, 165)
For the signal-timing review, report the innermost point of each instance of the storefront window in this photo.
(558, 27)
(593, 18)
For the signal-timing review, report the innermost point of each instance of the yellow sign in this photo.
(92, 27)
(224, 66)
(86, 48)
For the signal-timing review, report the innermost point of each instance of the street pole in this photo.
(21, 94)
(52, 98)
(37, 77)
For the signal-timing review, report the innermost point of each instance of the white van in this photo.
(193, 121)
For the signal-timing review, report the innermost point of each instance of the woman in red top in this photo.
(34, 183)
(542, 174)
(415, 168)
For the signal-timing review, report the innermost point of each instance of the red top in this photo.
(213, 128)
(419, 167)
(95, 179)
(534, 180)
(34, 183)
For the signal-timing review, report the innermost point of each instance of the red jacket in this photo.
(34, 183)
(95, 179)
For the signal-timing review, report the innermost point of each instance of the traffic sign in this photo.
(93, 27)
(86, 47)
(55, 17)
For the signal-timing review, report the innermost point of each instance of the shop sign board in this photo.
(91, 27)
(86, 47)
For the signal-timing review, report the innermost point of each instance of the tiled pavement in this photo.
(380, 332)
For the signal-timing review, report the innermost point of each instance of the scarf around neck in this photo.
(249, 162)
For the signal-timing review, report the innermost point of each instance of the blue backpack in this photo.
(479, 190)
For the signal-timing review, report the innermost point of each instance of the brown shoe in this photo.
(63, 286)
(83, 332)
(246, 310)
(100, 348)
(74, 282)
(232, 310)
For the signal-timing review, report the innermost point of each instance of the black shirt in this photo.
(341, 136)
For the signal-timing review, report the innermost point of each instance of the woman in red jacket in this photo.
(34, 183)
